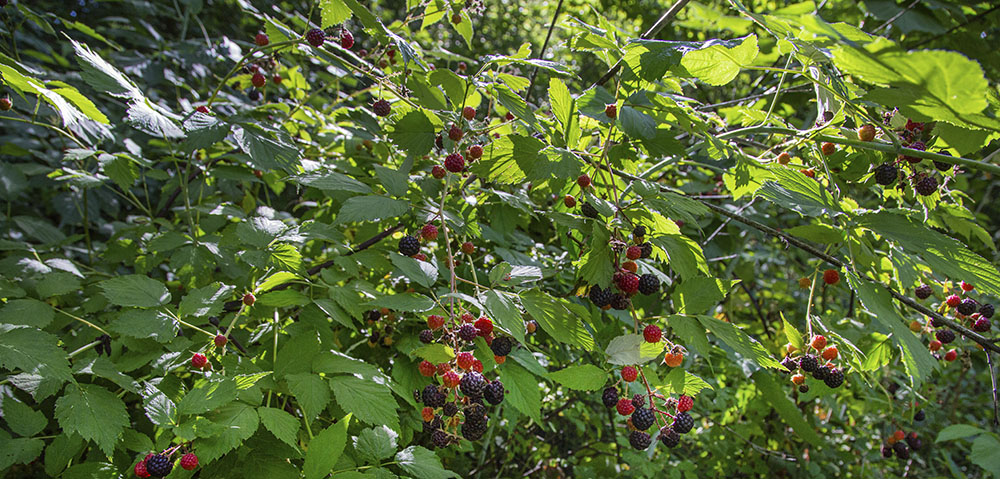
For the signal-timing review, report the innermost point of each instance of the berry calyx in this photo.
(426, 368)
(249, 299)
(468, 113)
(189, 461)
(866, 132)
(652, 333)
(429, 232)
(831, 277)
(818, 342)
(220, 340)
(199, 360)
(315, 37)
(625, 406)
(611, 110)
(454, 163)
(381, 108)
(346, 39)
(261, 39)
(583, 180)
(629, 374)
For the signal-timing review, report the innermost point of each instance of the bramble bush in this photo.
(479, 239)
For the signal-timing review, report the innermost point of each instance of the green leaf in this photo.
(22, 419)
(718, 65)
(415, 132)
(204, 131)
(817, 233)
(685, 255)
(32, 351)
(435, 353)
(585, 377)
(235, 423)
(958, 431)
(516, 105)
(682, 382)
(284, 426)
(691, 332)
(145, 323)
(559, 318)
(793, 335)
(697, 295)
(101, 75)
(310, 391)
(268, 150)
(944, 255)
(798, 192)
(406, 302)
(774, 395)
(637, 124)
(27, 312)
(424, 273)
(332, 181)
(596, 266)
(21, 450)
(593, 102)
(135, 290)
(376, 444)
(94, 413)
(333, 12)
(207, 396)
(371, 208)
(325, 449)
(522, 390)
(631, 349)
(368, 400)
(153, 119)
(160, 409)
(561, 101)
(275, 280)
(464, 27)
(503, 310)
(986, 453)
(422, 464)
(205, 301)
(740, 342)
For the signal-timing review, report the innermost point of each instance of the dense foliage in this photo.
(438, 239)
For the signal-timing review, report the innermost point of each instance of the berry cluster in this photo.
(625, 279)
(642, 412)
(914, 136)
(899, 444)
(161, 464)
(455, 403)
(966, 310)
(821, 364)
(381, 325)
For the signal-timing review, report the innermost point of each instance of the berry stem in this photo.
(447, 243)
(84, 321)
(243, 60)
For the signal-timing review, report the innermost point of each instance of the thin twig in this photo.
(993, 381)
(663, 21)
(541, 54)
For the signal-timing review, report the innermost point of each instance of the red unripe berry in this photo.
(499, 359)
(277, 79)
(420, 257)
(583, 181)
(629, 283)
(468, 247)
(611, 110)
(633, 252)
(456, 19)
(199, 360)
(625, 406)
(462, 66)
(434, 321)
(810, 172)
(346, 40)
(798, 379)
(248, 299)
(427, 414)
(426, 368)
(468, 318)
(485, 326)
(831, 277)
(967, 287)
(685, 403)
(829, 148)
(652, 333)
(509, 116)
(261, 39)
(451, 379)
(476, 152)
(830, 353)
(140, 469)
(531, 326)
(429, 232)
(454, 163)
(866, 132)
(818, 342)
(953, 301)
(629, 374)
(189, 461)
(6, 104)
(569, 201)
(258, 80)
(934, 345)
(899, 435)
(468, 113)
(477, 366)
(951, 355)
(455, 133)
(220, 340)
(202, 109)
(438, 172)
(784, 158)
(465, 360)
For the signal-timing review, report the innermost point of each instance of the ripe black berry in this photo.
(472, 384)
(642, 418)
(926, 186)
(834, 378)
(669, 437)
(821, 372)
(440, 438)
(945, 336)
(501, 346)
(467, 332)
(494, 392)
(647, 249)
(435, 423)
(427, 336)
(315, 37)
(986, 311)
(804, 388)
(648, 284)
(600, 297)
(913, 441)
(638, 400)
(639, 440)
(886, 174)
(900, 449)
(886, 451)
(159, 465)
(610, 397)
(937, 323)
(589, 211)
(919, 416)
(253, 95)
(639, 231)
(981, 325)
(432, 397)
(409, 245)
(790, 363)
(808, 363)
(923, 291)
(683, 422)
(450, 409)
(473, 428)
(619, 302)
(381, 108)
